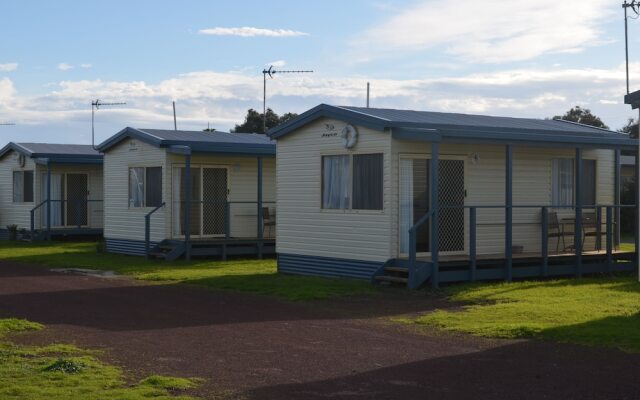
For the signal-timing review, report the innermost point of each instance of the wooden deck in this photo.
(500, 257)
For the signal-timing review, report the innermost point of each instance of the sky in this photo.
(518, 58)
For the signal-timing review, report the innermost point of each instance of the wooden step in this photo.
(393, 279)
(397, 269)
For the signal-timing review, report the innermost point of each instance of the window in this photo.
(22, 186)
(145, 186)
(563, 193)
(352, 182)
(367, 182)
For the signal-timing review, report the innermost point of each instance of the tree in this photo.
(582, 116)
(253, 121)
(631, 128)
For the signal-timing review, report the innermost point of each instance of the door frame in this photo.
(201, 167)
(427, 156)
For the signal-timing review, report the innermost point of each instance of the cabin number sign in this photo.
(348, 134)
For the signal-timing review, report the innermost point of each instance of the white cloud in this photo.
(276, 64)
(222, 98)
(64, 66)
(86, 65)
(8, 67)
(248, 31)
(490, 31)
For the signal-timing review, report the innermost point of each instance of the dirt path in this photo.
(268, 349)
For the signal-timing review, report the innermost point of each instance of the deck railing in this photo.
(59, 214)
(534, 217)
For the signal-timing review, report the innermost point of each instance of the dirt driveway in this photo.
(263, 348)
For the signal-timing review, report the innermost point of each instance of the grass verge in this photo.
(257, 276)
(592, 311)
(58, 372)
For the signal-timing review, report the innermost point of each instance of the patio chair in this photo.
(556, 230)
(267, 220)
(590, 228)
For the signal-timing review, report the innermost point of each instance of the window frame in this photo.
(349, 208)
(22, 173)
(145, 201)
(573, 181)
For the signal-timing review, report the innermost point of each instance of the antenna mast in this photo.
(271, 71)
(95, 106)
(635, 6)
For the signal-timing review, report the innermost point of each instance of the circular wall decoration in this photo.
(349, 136)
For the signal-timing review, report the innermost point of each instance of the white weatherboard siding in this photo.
(122, 221)
(10, 212)
(303, 227)
(485, 185)
(242, 182)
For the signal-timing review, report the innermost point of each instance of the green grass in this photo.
(62, 372)
(256, 276)
(593, 311)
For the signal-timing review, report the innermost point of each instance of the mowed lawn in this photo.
(603, 311)
(257, 276)
(60, 372)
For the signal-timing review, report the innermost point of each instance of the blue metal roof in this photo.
(198, 141)
(426, 125)
(55, 152)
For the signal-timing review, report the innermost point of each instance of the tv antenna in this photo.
(95, 106)
(635, 7)
(270, 72)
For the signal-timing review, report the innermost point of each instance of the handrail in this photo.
(32, 215)
(147, 228)
(412, 243)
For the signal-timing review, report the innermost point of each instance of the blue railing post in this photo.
(187, 206)
(411, 272)
(616, 195)
(227, 220)
(609, 234)
(577, 237)
(472, 242)
(147, 234)
(435, 218)
(545, 241)
(48, 200)
(598, 228)
(508, 234)
(33, 224)
(260, 219)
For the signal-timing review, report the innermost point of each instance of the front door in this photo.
(414, 204)
(214, 196)
(77, 187)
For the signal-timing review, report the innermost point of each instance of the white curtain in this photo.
(406, 202)
(177, 204)
(563, 181)
(335, 191)
(136, 187)
(56, 199)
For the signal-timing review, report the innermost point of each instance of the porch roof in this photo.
(55, 152)
(457, 127)
(198, 141)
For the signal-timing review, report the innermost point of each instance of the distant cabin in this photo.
(51, 190)
(412, 196)
(171, 194)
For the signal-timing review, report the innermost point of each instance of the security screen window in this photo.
(22, 186)
(563, 190)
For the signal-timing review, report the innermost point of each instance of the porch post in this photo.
(49, 200)
(260, 222)
(577, 236)
(637, 208)
(435, 217)
(508, 210)
(616, 195)
(187, 205)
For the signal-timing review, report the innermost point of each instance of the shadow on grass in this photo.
(621, 332)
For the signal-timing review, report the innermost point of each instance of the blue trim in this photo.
(434, 185)
(126, 246)
(266, 149)
(326, 266)
(577, 237)
(58, 158)
(616, 194)
(590, 136)
(633, 99)
(426, 135)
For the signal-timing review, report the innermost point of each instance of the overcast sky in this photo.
(512, 58)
